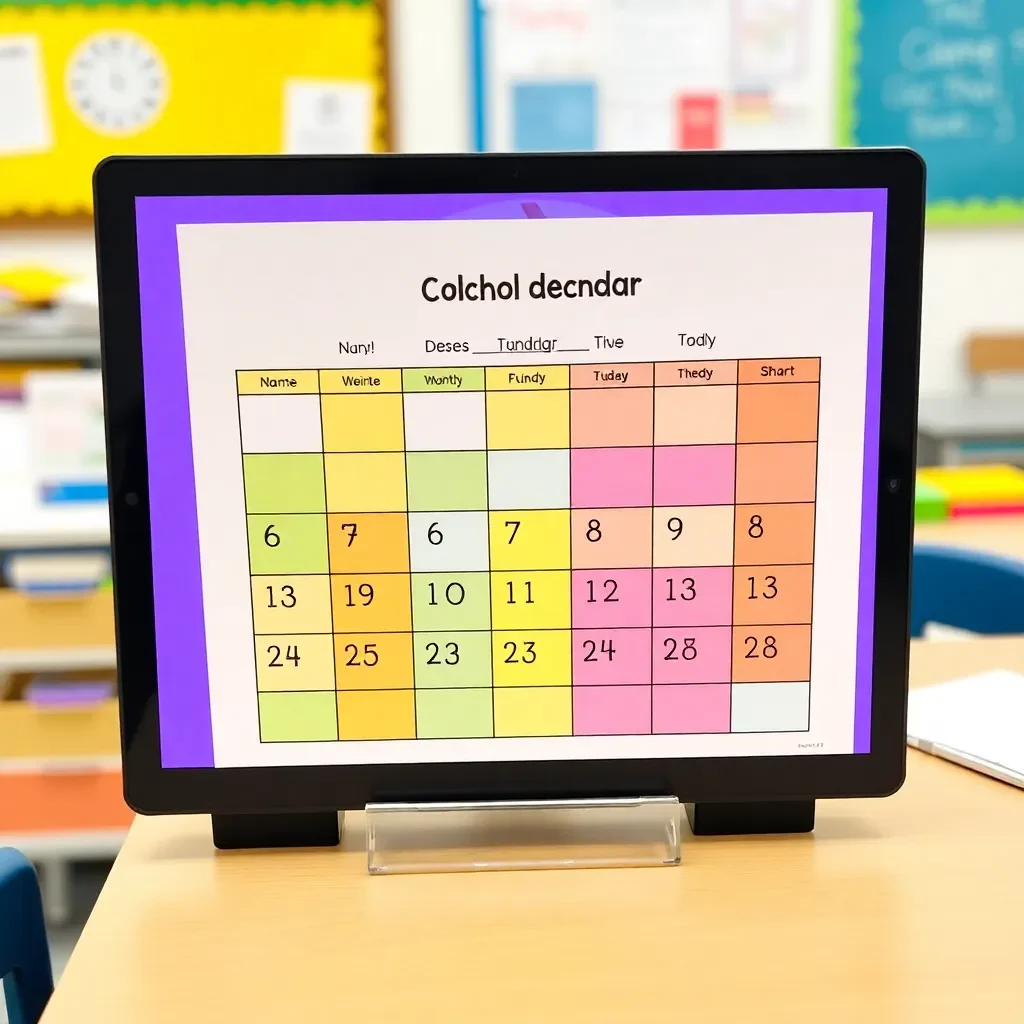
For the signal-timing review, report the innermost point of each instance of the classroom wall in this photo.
(972, 276)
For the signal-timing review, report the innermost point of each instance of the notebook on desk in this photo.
(977, 721)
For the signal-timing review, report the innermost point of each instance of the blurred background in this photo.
(79, 81)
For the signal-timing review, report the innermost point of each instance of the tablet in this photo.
(497, 476)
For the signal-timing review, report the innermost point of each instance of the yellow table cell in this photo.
(277, 382)
(528, 419)
(352, 382)
(537, 657)
(542, 711)
(291, 604)
(377, 714)
(295, 662)
(362, 423)
(530, 539)
(538, 599)
(373, 661)
(527, 378)
(365, 483)
(372, 603)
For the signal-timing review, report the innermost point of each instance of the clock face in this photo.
(117, 82)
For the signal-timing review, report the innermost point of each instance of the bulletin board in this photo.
(947, 79)
(91, 80)
(650, 74)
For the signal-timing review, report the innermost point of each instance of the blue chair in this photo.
(966, 589)
(24, 954)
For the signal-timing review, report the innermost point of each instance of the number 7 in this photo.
(350, 529)
(514, 523)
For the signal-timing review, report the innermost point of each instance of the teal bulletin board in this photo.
(945, 77)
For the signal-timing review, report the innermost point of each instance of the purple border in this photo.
(186, 732)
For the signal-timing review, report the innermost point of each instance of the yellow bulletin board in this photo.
(171, 78)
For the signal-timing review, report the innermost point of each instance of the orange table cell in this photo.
(712, 371)
(373, 661)
(774, 534)
(776, 472)
(377, 715)
(612, 375)
(771, 654)
(368, 542)
(604, 418)
(777, 412)
(771, 371)
(771, 593)
(621, 539)
(368, 603)
(685, 415)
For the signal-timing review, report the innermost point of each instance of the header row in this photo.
(529, 378)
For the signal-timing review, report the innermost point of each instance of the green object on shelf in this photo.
(930, 503)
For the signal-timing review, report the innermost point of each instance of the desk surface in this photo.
(908, 909)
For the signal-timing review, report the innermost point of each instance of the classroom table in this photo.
(907, 909)
(969, 428)
(1001, 535)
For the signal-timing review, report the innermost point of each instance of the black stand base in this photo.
(751, 819)
(249, 831)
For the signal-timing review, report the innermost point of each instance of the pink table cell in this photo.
(612, 710)
(702, 474)
(611, 477)
(680, 709)
(697, 596)
(606, 657)
(692, 654)
(611, 597)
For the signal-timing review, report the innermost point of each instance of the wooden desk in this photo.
(908, 909)
(1003, 535)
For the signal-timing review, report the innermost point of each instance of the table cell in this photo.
(692, 654)
(288, 543)
(291, 604)
(458, 378)
(538, 478)
(367, 603)
(349, 382)
(377, 715)
(362, 423)
(529, 539)
(368, 541)
(365, 483)
(771, 707)
(298, 717)
(693, 535)
(528, 419)
(611, 597)
(612, 418)
(454, 714)
(373, 661)
(693, 596)
(290, 662)
(533, 711)
(611, 477)
(611, 711)
(776, 472)
(611, 375)
(280, 423)
(605, 657)
(533, 599)
(527, 378)
(777, 412)
(445, 422)
(772, 593)
(695, 474)
(448, 541)
(774, 534)
(541, 657)
(283, 483)
(771, 654)
(696, 373)
(697, 708)
(447, 481)
(611, 537)
(277, 382)
(688, 415)
(448, 661)
(771, 371)
(451, 600)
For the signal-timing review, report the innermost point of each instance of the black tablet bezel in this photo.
(150, 788)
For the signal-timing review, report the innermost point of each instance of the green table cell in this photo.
(284, 483)
(453, 714)
(459, 378)
(298, 717)
(452, 660)
(283, 544)
(446, 481)
(452, 600)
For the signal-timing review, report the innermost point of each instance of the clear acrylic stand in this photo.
(404, 838)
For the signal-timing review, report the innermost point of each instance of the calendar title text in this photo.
(480, 289)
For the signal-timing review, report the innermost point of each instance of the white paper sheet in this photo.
(327, 116)
(24, 112)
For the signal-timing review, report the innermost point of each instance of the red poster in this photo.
(698, 120)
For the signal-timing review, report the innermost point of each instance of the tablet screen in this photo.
(442, 478)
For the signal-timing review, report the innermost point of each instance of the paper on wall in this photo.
(24, 111)
(327, 116)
